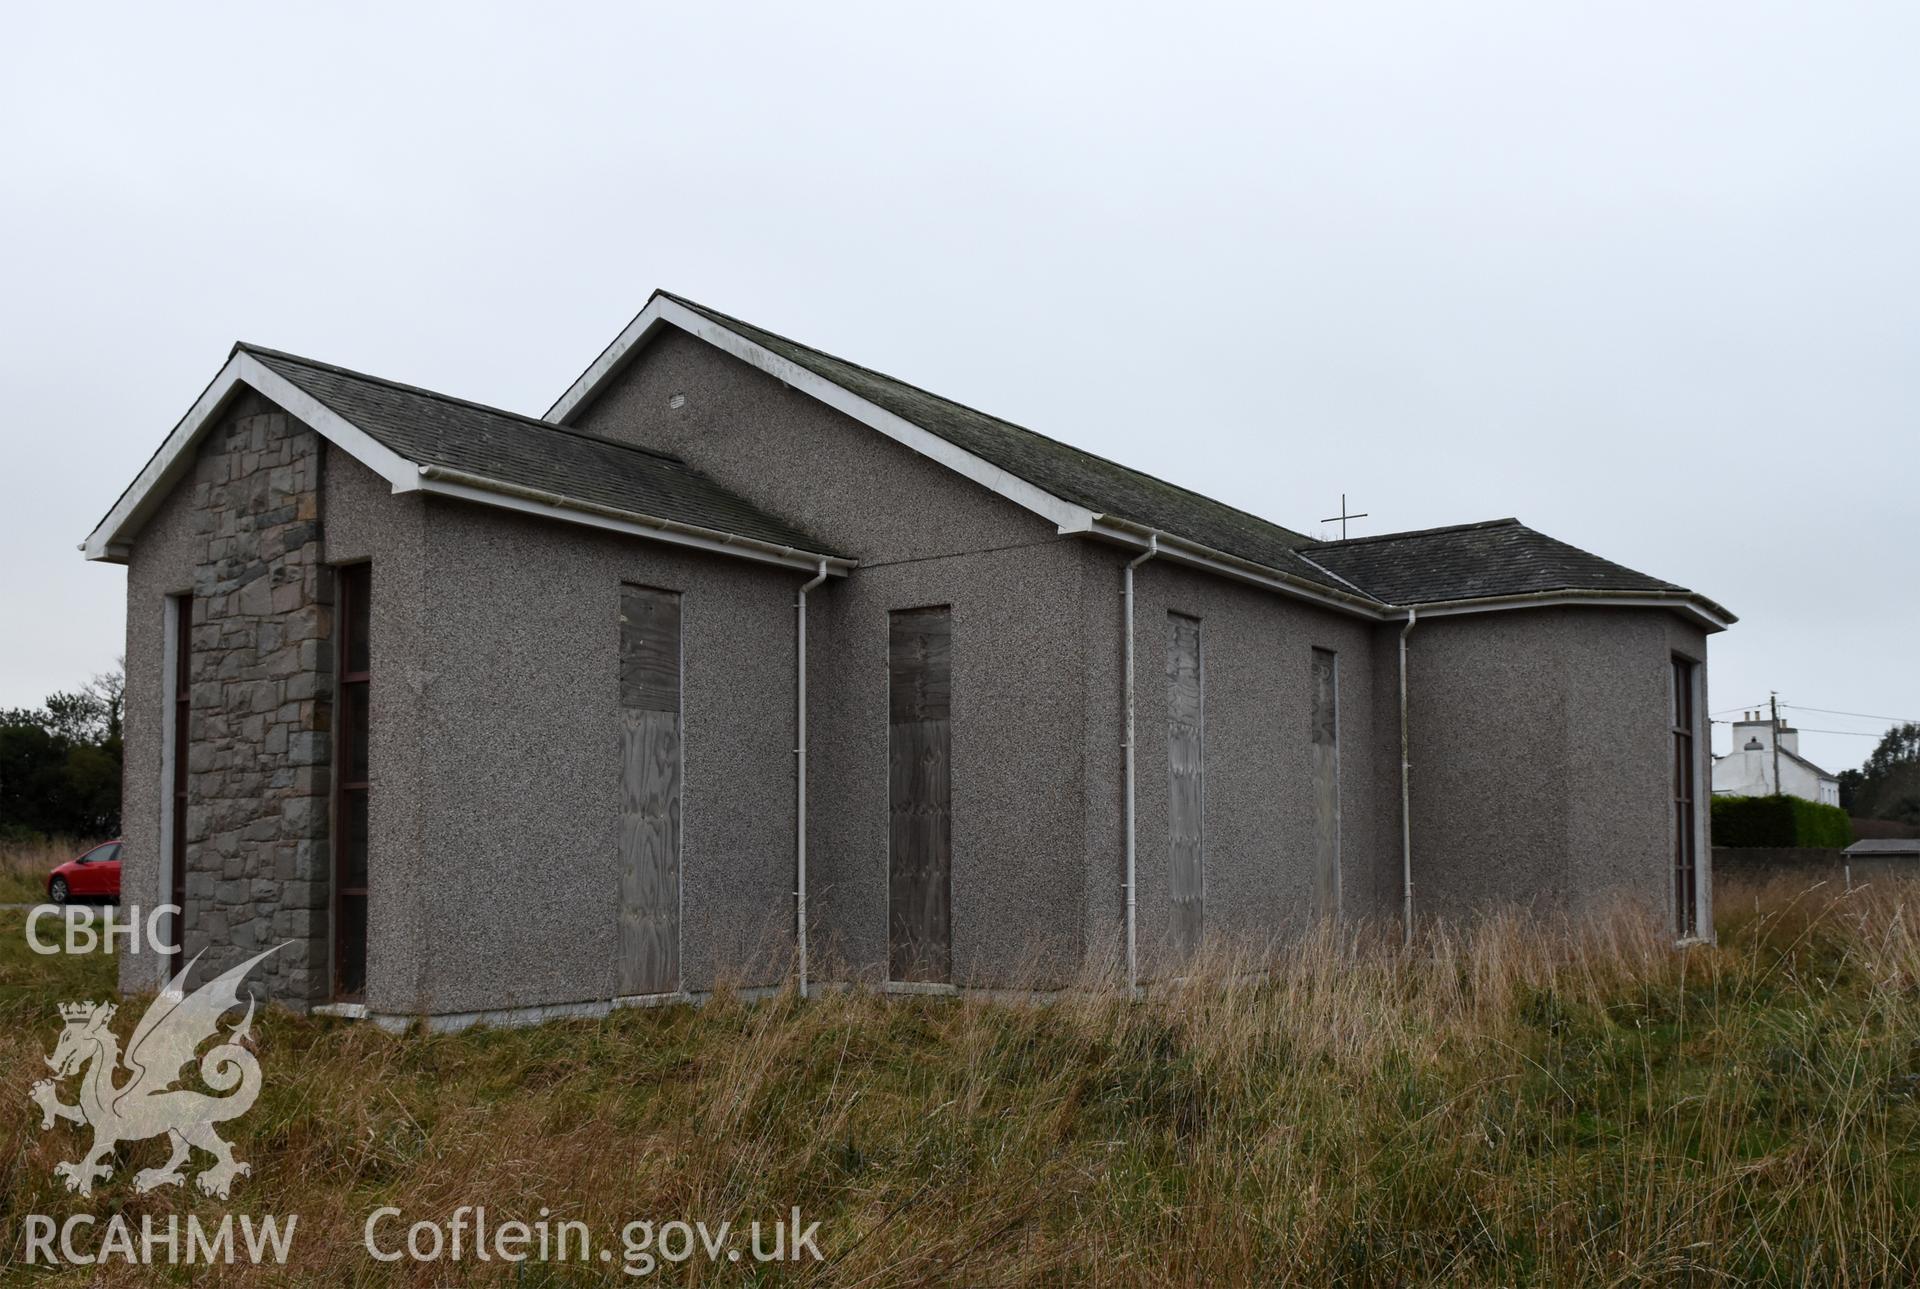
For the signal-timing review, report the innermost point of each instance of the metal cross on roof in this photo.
(1343, 517)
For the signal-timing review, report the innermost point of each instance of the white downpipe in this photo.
(1133, 909)
(800, 774)
(1406, 768)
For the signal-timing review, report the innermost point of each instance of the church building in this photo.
(747, 664)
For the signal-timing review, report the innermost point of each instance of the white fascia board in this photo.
(397, 470)
(1181, 551)
(110, 538)
(487, 492)
(661, 311)
(1070, 519)
(1689, 607)
(105, 542)
(611, 359)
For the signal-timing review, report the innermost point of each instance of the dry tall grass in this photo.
(1515, 1102)
(24, 866)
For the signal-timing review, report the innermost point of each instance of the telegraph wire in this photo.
(1865, 716)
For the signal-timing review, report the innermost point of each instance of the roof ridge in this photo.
(1308, 559)
(1509, 521)
(1012, 425)
(455, 399)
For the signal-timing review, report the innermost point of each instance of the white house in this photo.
(1750, 769)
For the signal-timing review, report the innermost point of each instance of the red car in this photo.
(93, 876)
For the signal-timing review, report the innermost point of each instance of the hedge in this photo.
(1779, 821)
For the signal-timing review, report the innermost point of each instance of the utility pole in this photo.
(1773, 702)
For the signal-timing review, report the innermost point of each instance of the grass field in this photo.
(24, 867)
(1515, 1104)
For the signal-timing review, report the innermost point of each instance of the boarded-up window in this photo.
(650, 770)
(1325, 736)
(919, 795)
(1186, 783)
(352, 779)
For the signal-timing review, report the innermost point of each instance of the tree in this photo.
(1888, 785)
(60, 764)
(109, 688)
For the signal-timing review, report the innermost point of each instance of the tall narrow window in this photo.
(352, 780)
(920, 795)
(181, 682)
(1186, 783)
(650, 769)
(1325, 735)
(1686, 856)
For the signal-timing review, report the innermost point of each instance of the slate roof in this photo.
(1885, 846)
(1069, 473)
(437, 429)
(1470, 561)
(1496, 558)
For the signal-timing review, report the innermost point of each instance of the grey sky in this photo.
(1644, 275)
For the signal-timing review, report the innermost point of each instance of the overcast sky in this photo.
(1645, 275)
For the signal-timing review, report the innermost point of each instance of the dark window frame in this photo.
(1685, 775)
(353, 584)
(182, 740)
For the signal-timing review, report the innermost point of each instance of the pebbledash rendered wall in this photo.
(505, 892)
(1540, 739)
(1256, 652)
(240, 534)
(1037, 759)
(1542, 754)
(923, 536)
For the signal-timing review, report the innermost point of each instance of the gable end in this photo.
(110, 538)
(664, 311)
